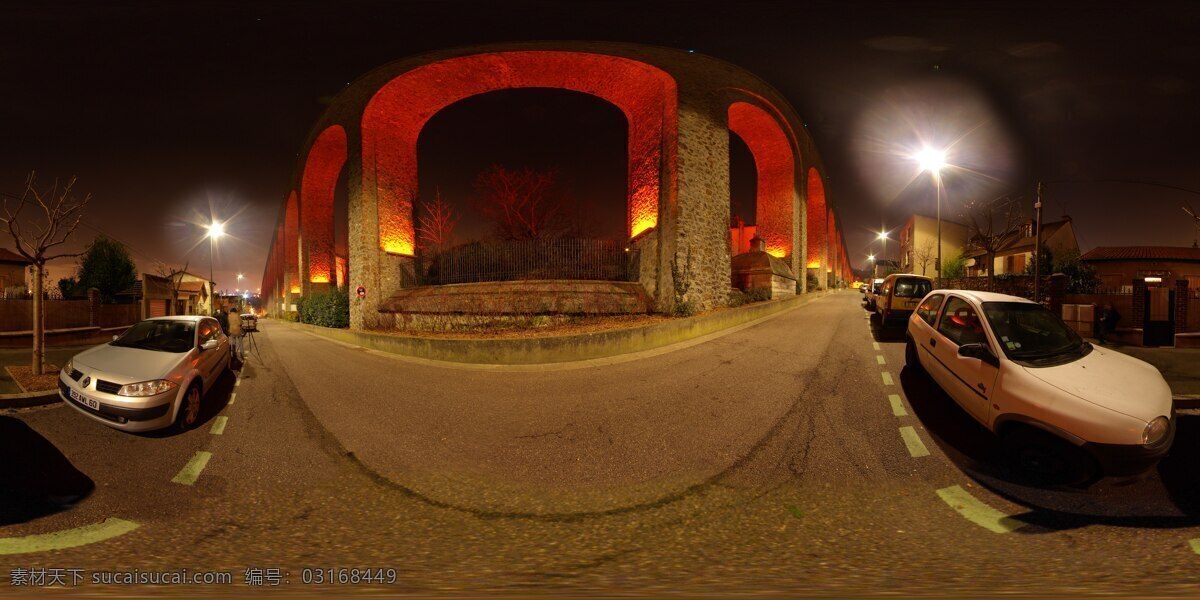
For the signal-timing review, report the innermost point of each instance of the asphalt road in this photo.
(795, 456)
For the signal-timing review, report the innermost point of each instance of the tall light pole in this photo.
(215, 230)
(933, 161)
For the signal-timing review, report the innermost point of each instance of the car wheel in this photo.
(189, 409)
(911, 358)
(1049, 460)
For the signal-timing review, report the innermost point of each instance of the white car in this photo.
(151, 377)
(1067, 411)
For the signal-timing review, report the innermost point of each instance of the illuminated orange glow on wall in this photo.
(818, 232)
(325, 160)
(295, 289)
(319, 279)
(291, 240)
(395, 115)
(775, 164)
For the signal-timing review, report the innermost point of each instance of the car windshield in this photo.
(1029, 332)
(911, 287)
(159, 335)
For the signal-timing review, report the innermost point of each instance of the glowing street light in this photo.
(933, 161)
(215, 230)
(871, 257)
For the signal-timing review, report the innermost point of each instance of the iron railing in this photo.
(561, 258)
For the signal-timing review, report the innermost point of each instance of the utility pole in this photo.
(1037, 246)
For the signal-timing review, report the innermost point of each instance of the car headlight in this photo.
(146, 388)
(67, 368)
(1155, 431)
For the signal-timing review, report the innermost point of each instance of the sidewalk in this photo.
(1180, 366)
(22, 356)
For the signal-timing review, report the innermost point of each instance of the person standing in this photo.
(235, 334)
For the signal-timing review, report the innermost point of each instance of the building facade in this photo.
(918, 244)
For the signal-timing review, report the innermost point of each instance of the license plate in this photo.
(84, 400)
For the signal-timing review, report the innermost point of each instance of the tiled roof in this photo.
(1143, 253)
(9, 256)
(1017, 242)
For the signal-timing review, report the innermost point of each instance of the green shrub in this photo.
(291, 316)
(328, 309)
(758, 294)
(737, 298)
(685, 308)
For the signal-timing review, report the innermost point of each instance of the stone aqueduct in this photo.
(680, 108)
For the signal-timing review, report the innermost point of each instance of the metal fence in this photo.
(565, 258)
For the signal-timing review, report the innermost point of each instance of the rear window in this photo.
(911, 287)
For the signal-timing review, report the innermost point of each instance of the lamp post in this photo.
(933, 161)
(215, 230)
(874, 273)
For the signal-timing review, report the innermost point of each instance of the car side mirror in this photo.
(978, 351)
(210, 345)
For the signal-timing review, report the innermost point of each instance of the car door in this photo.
(921, 329)
(968, 380)
(209, 359)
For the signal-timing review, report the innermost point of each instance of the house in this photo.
(918, 243)
(152, 293)
(195, 294)
(1015, 251)
(12, 273)
(1118, 266)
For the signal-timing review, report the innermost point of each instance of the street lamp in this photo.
(215, 230)
(933, 161)
(874, 271)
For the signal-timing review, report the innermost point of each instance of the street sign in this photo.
(362, 292)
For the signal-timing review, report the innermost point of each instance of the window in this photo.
(960, 323)
(208, 330)
(910, 287)
(929, 308)
(160, 335)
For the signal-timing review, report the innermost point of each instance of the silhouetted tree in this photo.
(521, 204)
(107, 266)
(990, 223)
(436, 224)
(60, 216)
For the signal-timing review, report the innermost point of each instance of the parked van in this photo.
(899, 296)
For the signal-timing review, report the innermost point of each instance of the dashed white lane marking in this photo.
(897, 405)
(1195, 544)
(916, 448)
(219, 425)
(232, 397)
(880, 359)
(874, 345)
(191, 471)
(977, 512)
(887, 379)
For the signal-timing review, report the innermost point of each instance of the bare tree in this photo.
(435, 225)
(521, 204)
(924, 255)
(165, 270)
(990, 224)
(60, 216)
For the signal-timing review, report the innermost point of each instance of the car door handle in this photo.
(933, 342)
(981, 387)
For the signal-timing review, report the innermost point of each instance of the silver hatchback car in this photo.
(151, 377)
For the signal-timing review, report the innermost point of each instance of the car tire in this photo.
(1047, 459)
(912, 357)
(189, 409)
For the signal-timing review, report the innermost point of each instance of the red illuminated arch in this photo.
(774, 162)
(395, 115)
(291, 245)
(325, 160)
(818, 231)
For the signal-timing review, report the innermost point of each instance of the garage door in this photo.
(158, 308)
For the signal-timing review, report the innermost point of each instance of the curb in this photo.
(28, 399)
(560, 349)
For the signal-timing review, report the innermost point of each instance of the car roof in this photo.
(981, 297)
(191, 318)
(899, 275)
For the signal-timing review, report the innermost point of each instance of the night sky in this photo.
(172, 112)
